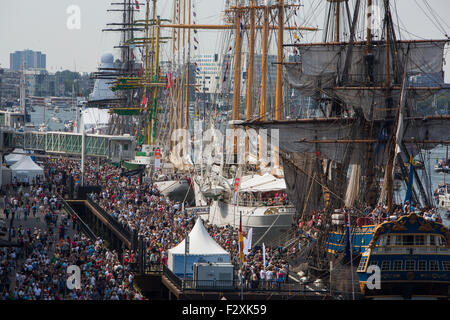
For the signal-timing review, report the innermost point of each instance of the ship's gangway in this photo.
(115, 148)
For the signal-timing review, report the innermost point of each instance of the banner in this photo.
(248, 242)
(132, 172)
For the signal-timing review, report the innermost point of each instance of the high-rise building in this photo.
(28, 58)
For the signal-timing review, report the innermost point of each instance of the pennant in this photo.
(195, 48)
(195, 40)
(137, 4)
(409, 189)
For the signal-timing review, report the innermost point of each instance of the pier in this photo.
(115, 148)
(157, 281)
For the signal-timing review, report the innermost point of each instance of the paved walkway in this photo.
(34, 223)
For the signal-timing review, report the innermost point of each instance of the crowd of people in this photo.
(47, 241)
(161, 222)
(370, 216)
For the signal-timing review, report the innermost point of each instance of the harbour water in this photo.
(65, 114)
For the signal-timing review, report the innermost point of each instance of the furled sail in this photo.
(322, 66)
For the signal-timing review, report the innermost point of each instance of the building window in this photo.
(386, 266)
(398, 264)
(410, 265)
(422, 265)
(446, 265)
(434, 266)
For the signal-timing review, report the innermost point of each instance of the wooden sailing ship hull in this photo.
(414, 258)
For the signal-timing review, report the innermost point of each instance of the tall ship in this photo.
(363, 123)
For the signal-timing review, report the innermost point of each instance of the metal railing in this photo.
(231, 285)
(128, 234)
(88, 231)
(172, 277)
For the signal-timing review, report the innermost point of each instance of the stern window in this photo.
(419, 240)
(434, 266)
(432, 241)
(410, 265)
(422, 265)
(408, 240)
(446, 265)
(398, 264)
(386, 265)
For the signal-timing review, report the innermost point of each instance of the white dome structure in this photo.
(202, 248)
(102, 90)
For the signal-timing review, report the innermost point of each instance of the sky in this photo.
(42, 26)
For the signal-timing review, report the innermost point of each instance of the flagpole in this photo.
(351, 255)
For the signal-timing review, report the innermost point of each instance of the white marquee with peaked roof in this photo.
(202, 248)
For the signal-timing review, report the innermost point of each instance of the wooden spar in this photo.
(338, 18)
(171, 116)
(146, 62)
(237, 68)
(391, 153)
(369, 27)
(381, 88)
(362, 43)
(155, 89)
(279, 87)
(262, 106)
(251, 63)
(251, 54)
(237, 74)
(265, 40)
(229, 27)
(186, 124)
(369, 141)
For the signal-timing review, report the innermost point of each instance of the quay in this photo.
(158, 282)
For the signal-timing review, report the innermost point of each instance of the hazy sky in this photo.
(42, 26)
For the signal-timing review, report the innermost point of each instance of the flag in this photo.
(137, 4)
(241, 240)
(195, 39)
(248, 242)
(408, 194)
(264, 255)
(236, 189)
(169, 81)
(144, 101)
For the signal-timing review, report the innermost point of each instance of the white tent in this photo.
(202, 248)
(261, 183)
(16, 156)
(26, 170)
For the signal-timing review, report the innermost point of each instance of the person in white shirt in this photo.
(262, 276)
(269, 277)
